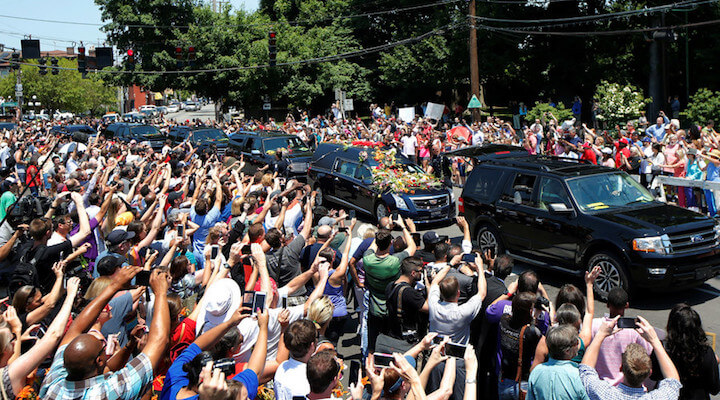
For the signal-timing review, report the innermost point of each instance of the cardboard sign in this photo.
(434, 110)
(406, 114)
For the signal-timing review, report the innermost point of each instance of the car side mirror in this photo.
(255, 152)
(560, 208)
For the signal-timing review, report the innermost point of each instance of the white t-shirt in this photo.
(409, 145)
(56, 238)
(291, 380)
(249, 328)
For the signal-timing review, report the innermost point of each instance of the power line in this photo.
(598, 33)
(294, 22)
(351, 54)
(598, 16)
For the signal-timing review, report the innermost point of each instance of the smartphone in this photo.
(354, 371)
(4, 305)
(343, 229)
(245, 250)
(351, 215)
(111, 343)
(627, 323)
(383, 360)
(438, 339)
(181, 230)
(259, 301)
(214, 251)
(394, 216)
(284, 302)
(455, 350)
(248, 302)
(143, 278)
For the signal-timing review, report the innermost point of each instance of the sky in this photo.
(56, 36)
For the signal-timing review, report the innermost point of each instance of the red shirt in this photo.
(589, 154)
(619, 164)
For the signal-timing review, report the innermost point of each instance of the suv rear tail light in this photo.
(461, 205)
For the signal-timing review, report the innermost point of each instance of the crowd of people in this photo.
(173, 275)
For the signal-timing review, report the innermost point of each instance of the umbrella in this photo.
(70, 147)
(459, 132)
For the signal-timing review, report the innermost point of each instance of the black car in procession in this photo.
(338, 176)
(126, 132)
(258, 149)
(203, 138)
(571, 216)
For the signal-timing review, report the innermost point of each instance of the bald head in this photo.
(84, 357)
(385, 223)
(323, 232)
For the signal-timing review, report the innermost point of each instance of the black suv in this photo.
(338, 175)
(572, 216)
(201, 138)
(125, 132)
(258, 149)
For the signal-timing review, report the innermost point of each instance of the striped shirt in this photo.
(128, 383)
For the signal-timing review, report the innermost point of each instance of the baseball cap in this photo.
(646, 140)
(118, 236)
(11, 180)
(433, 238)
(624, 140)
(174, 196)
(108, 264)
(607, 150)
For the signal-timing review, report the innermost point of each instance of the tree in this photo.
(703, 106)
(540, 110)
(619, 103)
(66, 91)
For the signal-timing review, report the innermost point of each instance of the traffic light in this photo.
(16, 61)
(54, 62)
(131, 59)
(103, 57)
(179, 56)
(82, 61)
(272, 49)
(191, 56)
(42, 67)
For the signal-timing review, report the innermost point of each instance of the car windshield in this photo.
(289, 143)
(608, 191)
(148, 132)
(209, 135)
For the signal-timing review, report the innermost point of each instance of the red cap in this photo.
(586, 145)
(624, 140)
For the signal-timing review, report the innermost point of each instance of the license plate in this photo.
(702, 273)
(436, 213)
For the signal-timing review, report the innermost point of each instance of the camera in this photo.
(28, 208)
(541, 303)
(226, 365)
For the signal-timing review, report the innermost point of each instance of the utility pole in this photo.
(474, 68)
(19, 93)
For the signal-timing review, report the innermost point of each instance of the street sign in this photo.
(18, 87)
(348, 105)
(266, 106)
(18, 94)
(474, 102)
(338, 94)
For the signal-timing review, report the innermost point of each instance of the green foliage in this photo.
(703, 105)
(540, 110)
(619, 103)
(66, 91)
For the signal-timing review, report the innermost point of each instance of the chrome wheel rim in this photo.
(608, 278)
(318, 197)
(381, 211)
(488, 241)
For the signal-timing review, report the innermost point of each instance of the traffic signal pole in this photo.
(19, 93)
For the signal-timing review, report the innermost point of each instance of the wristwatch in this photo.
(474, 380)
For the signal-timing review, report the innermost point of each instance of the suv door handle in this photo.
(539, 220)
(336, 179)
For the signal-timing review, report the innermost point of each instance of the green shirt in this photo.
(6, 200)
(556, 380)
(379, 272)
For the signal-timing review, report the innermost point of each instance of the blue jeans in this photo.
(508, 389)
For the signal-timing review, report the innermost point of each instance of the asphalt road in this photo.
(654, 307)
(204, 113)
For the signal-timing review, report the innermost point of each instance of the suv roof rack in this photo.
(543, 163)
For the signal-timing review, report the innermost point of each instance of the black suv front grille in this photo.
(693, 240)
(430, 202)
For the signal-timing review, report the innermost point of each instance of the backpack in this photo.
(25, 272)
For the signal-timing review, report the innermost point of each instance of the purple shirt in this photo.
(92, 252)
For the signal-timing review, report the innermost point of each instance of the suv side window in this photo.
(248, 145)
(363, 173)
(346, 168)
(521, 190)
(552, 191)
(484, 183)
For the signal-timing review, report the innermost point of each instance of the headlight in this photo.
(400, 202)
(717, 231)
(655, 244)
